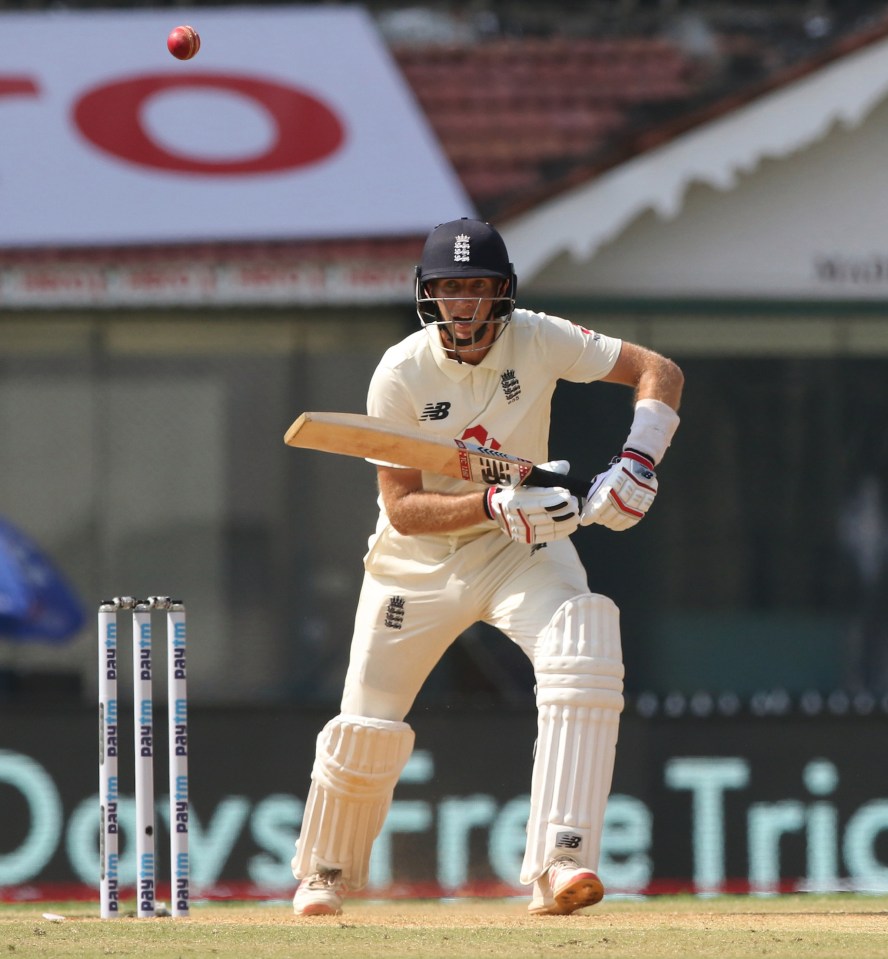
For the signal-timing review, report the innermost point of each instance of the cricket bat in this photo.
(369, 437)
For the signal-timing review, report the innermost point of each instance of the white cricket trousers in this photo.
(421, 592)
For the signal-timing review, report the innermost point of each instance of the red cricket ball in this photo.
(183, 42)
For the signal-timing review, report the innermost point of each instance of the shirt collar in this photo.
(457, 371)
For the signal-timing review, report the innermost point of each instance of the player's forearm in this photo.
(423, 512)
(663, 381)
(652, 376)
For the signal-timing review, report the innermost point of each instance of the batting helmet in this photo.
(466, 247)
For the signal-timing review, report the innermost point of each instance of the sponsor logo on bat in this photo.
(480, 464)
(498, 454)
(495, 472)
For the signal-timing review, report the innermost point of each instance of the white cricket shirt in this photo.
(503, 402)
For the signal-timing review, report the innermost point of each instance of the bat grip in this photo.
(573, 484)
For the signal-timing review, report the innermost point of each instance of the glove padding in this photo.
(622, 495)
(534, 515)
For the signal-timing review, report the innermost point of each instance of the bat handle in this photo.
(573, 484)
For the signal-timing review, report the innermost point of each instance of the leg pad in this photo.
(579, 672)
(357, 764)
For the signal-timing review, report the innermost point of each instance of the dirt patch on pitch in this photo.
(860, 917)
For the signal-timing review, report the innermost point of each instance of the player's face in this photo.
(466, 305)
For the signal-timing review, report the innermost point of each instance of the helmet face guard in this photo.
(461, 249)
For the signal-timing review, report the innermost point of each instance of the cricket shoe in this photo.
(565, 887)
(320, 894)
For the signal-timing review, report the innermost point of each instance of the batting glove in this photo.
(621, 496)
(534, 515)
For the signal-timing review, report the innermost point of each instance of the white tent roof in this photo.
(721, 154)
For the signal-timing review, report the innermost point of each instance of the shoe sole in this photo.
(583, 890)
(318, 909)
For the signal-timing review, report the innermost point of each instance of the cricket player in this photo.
(446, 554)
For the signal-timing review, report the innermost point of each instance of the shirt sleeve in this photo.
(388, 398)
(579, 354)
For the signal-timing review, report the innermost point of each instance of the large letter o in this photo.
(307, 130)
(36, 786)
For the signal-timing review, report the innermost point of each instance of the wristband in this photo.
(486, 500)
(652, 429)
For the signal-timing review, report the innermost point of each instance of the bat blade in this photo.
(369, 437)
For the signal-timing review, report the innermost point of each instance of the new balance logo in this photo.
(435, 411)
(394, 614)
(496, 472)
(568, 840)
(461, 248)
(511, 386)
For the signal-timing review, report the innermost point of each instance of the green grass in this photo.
(847, 926)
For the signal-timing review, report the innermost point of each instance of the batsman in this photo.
(446, 554)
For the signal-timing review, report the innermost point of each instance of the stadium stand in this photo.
(528, 97)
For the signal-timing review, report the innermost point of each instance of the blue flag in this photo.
(36, 603)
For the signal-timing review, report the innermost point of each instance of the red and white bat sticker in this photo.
(479, 464)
